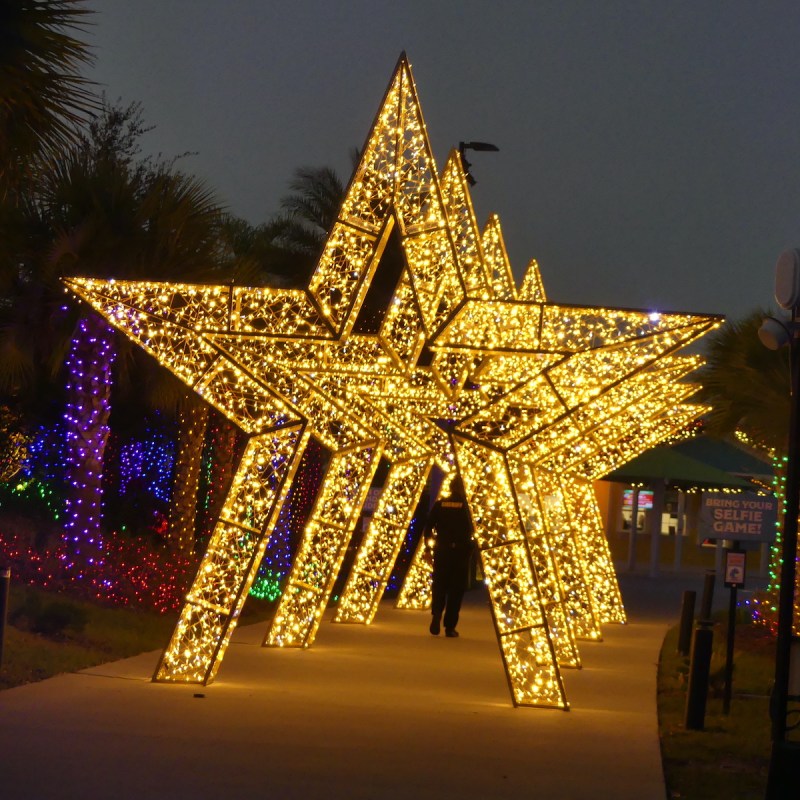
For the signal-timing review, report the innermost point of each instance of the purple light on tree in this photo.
(146, 465)
(88, 405)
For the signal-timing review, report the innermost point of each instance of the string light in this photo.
(764, 605)
(220, 456)
(89, 368)
(528, 400)
(40, 471)
(192, 422)
(133, 574)
(146, 465)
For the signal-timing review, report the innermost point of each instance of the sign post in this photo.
(735, 568)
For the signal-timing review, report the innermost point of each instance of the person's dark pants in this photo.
(449, 583)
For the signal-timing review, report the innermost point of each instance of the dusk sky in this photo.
(649, 151)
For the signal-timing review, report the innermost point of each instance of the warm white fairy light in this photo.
(536, 399)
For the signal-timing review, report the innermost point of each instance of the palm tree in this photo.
(746, 384)
(307, 216)
(105, 212)
(43, 99)
(251, 254)
(310, 211)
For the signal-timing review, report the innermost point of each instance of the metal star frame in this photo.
(528, 400)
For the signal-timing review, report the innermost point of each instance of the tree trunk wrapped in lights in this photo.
(89, 379)
(767, 608)
(192, 424)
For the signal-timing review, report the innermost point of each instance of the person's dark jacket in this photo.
(450, 519)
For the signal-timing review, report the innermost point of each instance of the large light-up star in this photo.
(528, 400)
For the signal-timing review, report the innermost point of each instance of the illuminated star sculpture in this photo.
(458, 369)
(640, 410)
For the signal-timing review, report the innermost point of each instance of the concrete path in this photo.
(384, 711)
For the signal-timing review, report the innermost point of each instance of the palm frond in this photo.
(43, 96)
(312, 208)
(746, 384)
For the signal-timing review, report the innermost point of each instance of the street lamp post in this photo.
(480, 146)
(784, 768)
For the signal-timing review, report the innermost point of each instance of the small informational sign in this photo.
(744, 517)
(735, 565)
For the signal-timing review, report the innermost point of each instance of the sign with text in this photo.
(735, 568)
(746, 517)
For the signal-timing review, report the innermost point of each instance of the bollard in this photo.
(5, 583)
(784, 771)
(708, 596)
(687, 615)
(699, 668)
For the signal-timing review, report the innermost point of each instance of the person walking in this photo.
(450, 521)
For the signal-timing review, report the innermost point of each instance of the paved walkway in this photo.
(384, 711)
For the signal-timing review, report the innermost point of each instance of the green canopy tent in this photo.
(676, 469)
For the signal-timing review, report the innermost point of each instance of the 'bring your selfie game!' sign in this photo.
(747, 517)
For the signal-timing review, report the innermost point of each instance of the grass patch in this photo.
(37, 648)
(730, 758)
(90, 634)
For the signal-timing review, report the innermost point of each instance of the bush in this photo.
(133, 572)
(58, 617)
(53, 618)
